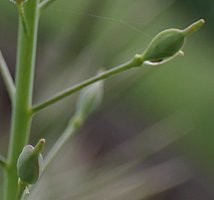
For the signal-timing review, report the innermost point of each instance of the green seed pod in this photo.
(169, 42)
(89, 99)
(29, 164)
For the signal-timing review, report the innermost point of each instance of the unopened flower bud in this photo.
(90, 98)
(169, 42)
(29, 164)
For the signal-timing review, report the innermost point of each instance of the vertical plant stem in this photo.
(21, 114)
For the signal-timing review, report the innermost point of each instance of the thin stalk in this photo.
(44, 4)
(21, 189)
(20, 193)
(21, 114)
(135, 62)
(7, 78)
(72, 127)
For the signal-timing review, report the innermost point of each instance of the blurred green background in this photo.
(153, 136)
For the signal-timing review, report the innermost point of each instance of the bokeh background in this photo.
(153, 136)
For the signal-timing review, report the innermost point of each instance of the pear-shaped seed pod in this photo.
(89, 99)
(169, 42)
(29, 164)
(165, 45)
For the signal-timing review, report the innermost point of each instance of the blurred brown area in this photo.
(152, 138)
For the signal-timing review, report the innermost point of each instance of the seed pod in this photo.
(89, 99)
(169, 42)
(29, 164)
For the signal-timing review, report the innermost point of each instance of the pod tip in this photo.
(42, 141)
(39, 146)
(194, 27)
(202, 21)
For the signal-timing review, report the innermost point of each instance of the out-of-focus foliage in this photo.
(154, 131)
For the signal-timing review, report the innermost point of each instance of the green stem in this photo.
(21, 114)
(44, 4)
(71, 128)
(21, 189)
(8, 80)
(135, 62)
